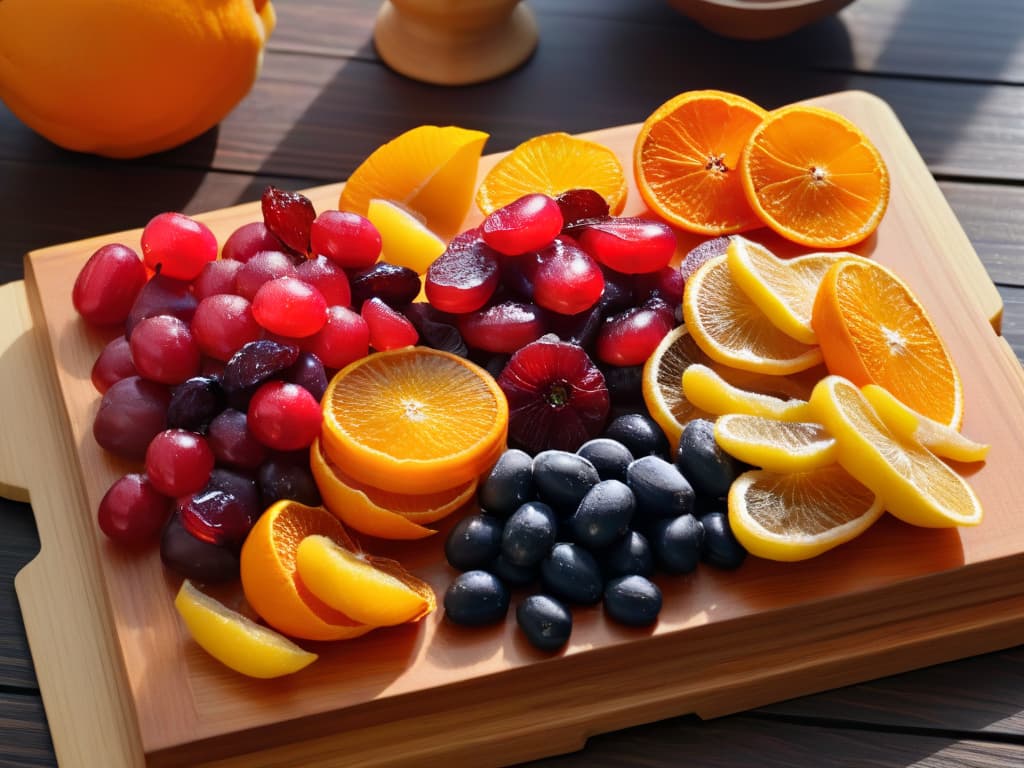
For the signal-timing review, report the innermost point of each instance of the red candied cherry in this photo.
(216, 277)
(284, 416)
(630, 337)
(389, 328)
(289, 216)
(262, 268)
(232, 443)
(581, 205)
(290, 307)
(223, 324)
(132, 512)
(348, 239)
(344, 338)
(502, 328)
(465, 276)
(527, 224)
(397, 286)
(328, 278)
(164, 350)
(113, 364)
(178, 462)
(629, 244)
(177, 246)
(108, 285)
(566, 280)
(248, 240)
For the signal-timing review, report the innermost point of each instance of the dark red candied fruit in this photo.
(177, 246)
(557, 397)
(630, 337)
(261, 268)
(191, 558)
(308, 372)
(223, 324)
(580, 205)
(517, 273)
(284, 416)
(503, 327)
(113, 364)
(130, 414)
(256, 362)
(567, 279)
(580, 329)
(437, 329)
(286, 476)
(328, 278)
(666, 284)
(290, 307)
(706, 251)
(178, 462)
(389, 328)
(194, 403)
(132, 512)
(348, 239)
(397, 286)
(108, 284)
(217, 517)
(232, 443)
(619, 291)
(344, 338)
(465, 276)
(629, 244)
(524, 225)
(248, 240)
(217, 277)
(289, 215)
(164, 350)
(161, 296)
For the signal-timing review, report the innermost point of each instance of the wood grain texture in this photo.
(19, 543)
(24, 739)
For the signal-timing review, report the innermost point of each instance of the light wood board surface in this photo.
(429, 694)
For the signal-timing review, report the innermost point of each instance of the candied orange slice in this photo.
(775, 445)
(708, 390)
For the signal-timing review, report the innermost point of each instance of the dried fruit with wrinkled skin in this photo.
(289, 215)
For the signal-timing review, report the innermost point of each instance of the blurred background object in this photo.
(756, 19)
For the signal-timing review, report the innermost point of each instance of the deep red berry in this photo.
(248, 240)
(389, 329)
(567, 279)
(289, 216)
(344, 338)
(223, 324)
(108, 285)
(216, 277)
(527, 224)
(327, 277)
(261, 268)
(178, 462)
(131, 412)
(132, 512)
(177, 246)
(503, 327)
(666, 284)
(350, 240)
(164, 350)
(630, 337)
(113, 364)
(580, 205)
(465, 276)
(629, 244)
(290, 307)
(161, 296)
(232, 443)
(397, 286)
(284, 416)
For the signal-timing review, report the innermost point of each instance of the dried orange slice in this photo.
(376, 512)
(429, 169)
(873, 330)
(554, 163)
(775, 445)
(414, 420)
(706, 389)
(814, 177)
(732, 330)
(270, 579)
(685, 158)
(917, 486)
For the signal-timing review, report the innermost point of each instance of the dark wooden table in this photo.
(952, 70)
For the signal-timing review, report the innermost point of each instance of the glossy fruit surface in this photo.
(570, 572)
(262, 268)
(344, 338)
(347, 239)
(289, 216)
(257, 362)
(660, 490)
(164, 350)
(248, 240)
(289, 307)
(544, 621)
(708, 467)
(465, 276)
(630, 337)
(328, 278)
(113, 364)
(161, 296)
(677, 543)
(629, 244)
(130, 414)
(509, 484)
(223, 324)
(566, 280)
(563, 478)
(632, 554)
(526, 224)
(632, 600)
(474, 542)
(639, 433)
(609, 457)
(284, 416)
(504, 327)
(721, 548)
(387, 328)
(529, 534)
(217, 277)
(476, 598)
(178, 462)
(177, 246)
(194, 403)
(132, 512)
(106, 287)
(603, 515)
(393, 284)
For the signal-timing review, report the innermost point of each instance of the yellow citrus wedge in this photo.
(430, 169)
(784, 289)
(917, 487)
(405, 239)
(732, 330)
(793, 516)
(707, 390)
(778, 446)
(373, 590)
(235, 640)
(662, 382)
(940, 439)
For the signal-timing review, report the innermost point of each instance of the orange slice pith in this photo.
(873, 330)
(685, 156)
(416, 419)
(554, 163)
(270, 580)
(378, 512)
(814, 177)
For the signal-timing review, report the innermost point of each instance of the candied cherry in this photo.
(524, 225)
(262, 268)
(248, 240)
(131, 412)
(348, 239)
(161, 296)
(328, 278)
(290, 307)
(178, 462)
(108, 284)
(629, 244)
(308, 372)
(256, 362)
(581, 205)
(223, 324)
(388, 328)
(567, 279)
(217, 277)
(132, 512)
(344, 338)
(465, 276)
(397, 286)
(164, 350)
(630, 337)
(289, 215)
(231, 441)
(192, 558)
(217, 516)
(284, 416)
(177, 246)
(194, 403)
(503, 327)
(113, 364)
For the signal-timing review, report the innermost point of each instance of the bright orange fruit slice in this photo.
(685, 159)
(814, 177)
(414, 420)
(873, 330)
(554, 163)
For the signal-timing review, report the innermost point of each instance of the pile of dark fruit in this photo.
(592, 527)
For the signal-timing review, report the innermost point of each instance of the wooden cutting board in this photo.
(124, 686)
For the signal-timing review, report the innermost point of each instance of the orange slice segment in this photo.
(873, 330)
(775, 445)
(554, 163)
(706, 389)
(416, 420)
(814, 177)
(685, 158)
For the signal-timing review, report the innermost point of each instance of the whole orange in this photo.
(124, 78)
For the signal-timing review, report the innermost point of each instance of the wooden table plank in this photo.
(24, 738)
(18, 544)
(993, 217)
